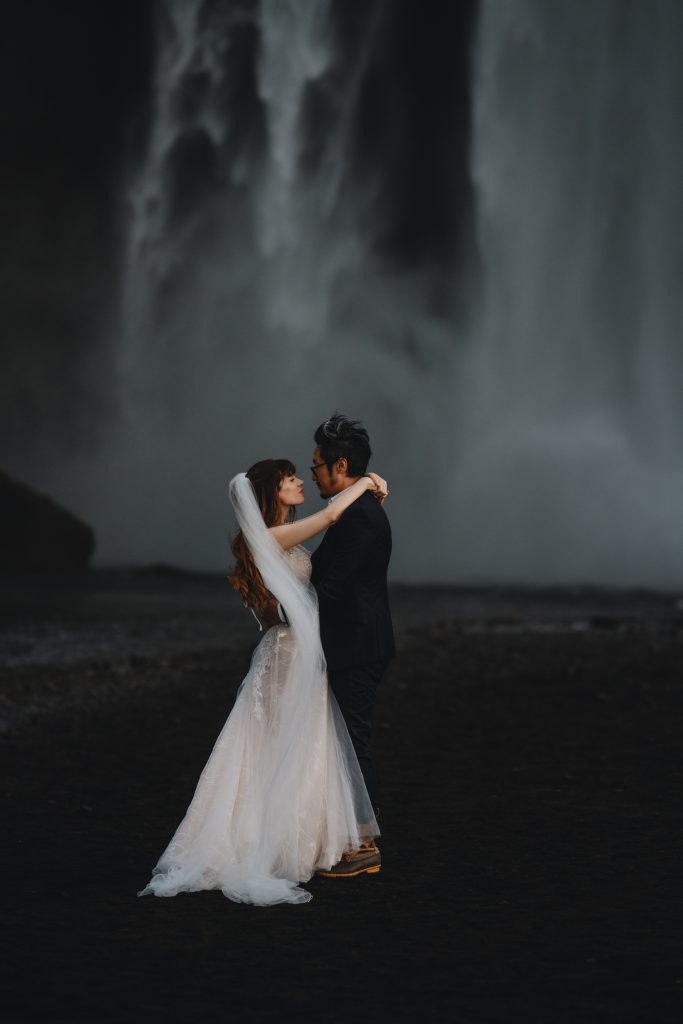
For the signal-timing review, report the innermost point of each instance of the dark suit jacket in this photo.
(350, 577)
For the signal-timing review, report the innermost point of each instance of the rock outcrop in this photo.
(38, 535)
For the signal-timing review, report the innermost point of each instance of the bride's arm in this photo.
(291, 534)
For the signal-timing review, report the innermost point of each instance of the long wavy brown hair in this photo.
(266, 478)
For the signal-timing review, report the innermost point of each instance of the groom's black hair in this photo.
(341, 438)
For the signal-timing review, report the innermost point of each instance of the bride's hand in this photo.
(380, 488)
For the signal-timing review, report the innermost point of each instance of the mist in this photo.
(459, 228)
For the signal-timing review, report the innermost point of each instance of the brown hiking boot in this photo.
(365, 860)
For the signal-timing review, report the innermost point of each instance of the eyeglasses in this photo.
(316, 466)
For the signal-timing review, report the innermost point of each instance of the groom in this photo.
(350, 577)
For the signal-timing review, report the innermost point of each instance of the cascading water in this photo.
(540, 444)
(571, 417)
(254, 303)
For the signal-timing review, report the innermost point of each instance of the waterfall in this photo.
(299, 233)
(571, 418)
(535, 441)
(254, 301)
(188, 106)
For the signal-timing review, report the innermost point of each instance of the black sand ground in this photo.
(531, 778)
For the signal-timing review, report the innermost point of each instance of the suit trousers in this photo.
(355, 690)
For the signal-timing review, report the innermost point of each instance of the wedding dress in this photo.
(281, 794)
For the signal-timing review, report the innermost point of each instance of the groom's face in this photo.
(329, 481)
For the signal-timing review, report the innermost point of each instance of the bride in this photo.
(281, 795)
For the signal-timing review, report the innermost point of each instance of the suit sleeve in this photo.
(354, 539)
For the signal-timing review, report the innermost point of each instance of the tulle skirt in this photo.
(281, 794)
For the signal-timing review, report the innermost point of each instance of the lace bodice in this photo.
(276, 648)
(301, 561)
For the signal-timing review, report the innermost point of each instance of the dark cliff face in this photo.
(415, 124)
(77, 88)
(75, 77)
(37, 535)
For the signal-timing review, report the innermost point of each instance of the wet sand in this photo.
(529, 747)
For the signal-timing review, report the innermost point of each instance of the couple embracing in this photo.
(289, 789)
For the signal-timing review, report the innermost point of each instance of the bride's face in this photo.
(291, 492)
